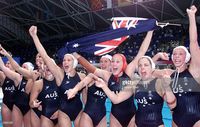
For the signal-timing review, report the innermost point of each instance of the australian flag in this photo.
(105, 42)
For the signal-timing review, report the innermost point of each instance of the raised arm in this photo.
(157, 72)
(55, 69)
(143, 48)
(91, 68)
(9, 73)
(194, 46)
(15, 65)
(160, 55)
(192, 25)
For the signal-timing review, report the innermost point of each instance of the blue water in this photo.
(167, 117)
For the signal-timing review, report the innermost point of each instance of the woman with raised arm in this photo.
(186, 84)
(37, 111)
(8, 86)
(149, 92)
(94, 113)
(49, 98)
(186, 79)
(20, 113)
(120, 115)
(27, 71)
(66, 78)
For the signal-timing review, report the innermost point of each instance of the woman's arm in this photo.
(115, 98)
(163, 86)
(160, 55)
(15, 65)
(91, 68)
(87, 80)
(143, 48)
(2, 78)
(55, 69)
(9, 73)
(36, 89)
(194, 46)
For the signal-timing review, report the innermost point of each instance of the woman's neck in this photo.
(71, 73)
(181, 68)
(120, 74)
(147, 80)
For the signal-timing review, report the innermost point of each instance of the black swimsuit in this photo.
(71, 107)
(8, 88)
(187, 92)
(125, 110)
(95, 105)
(150, 103)
(22, 98)
(50, 99)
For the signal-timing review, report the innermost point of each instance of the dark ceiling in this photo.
(61, 20)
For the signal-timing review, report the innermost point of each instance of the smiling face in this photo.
(48, 74)
(145, 68)
(179, 56)
(105, 64)
(68, 63)
(117, 64)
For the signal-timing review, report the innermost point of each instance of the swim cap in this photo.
(187, 58)
(75, 63)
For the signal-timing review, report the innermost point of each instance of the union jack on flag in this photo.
(125, 22)
(105, 42)
(117, 22)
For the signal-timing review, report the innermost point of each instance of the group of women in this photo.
(54, 96)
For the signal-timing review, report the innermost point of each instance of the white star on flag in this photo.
(75, 45)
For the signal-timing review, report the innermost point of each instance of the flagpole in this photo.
(161, 24)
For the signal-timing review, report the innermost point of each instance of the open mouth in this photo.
(66, 67)
(177, 61)
(143, 73)
(115, 69)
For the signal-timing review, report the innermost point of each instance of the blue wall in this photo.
(17, 59)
